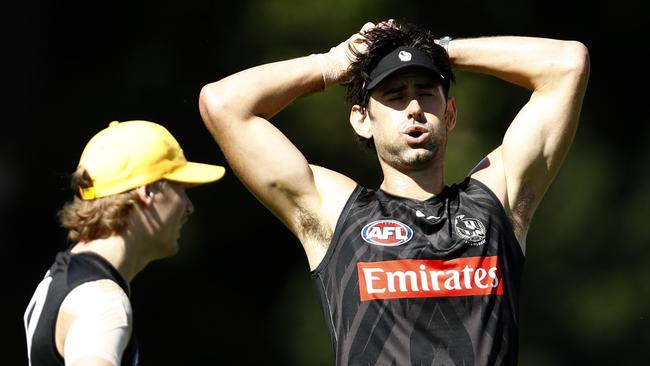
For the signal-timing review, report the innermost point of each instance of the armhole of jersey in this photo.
(502, 210)
(337, 232)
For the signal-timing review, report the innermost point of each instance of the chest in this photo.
(395, 229)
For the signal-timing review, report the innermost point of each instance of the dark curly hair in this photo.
(381, 40)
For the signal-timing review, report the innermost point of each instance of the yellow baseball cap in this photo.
(129, 154)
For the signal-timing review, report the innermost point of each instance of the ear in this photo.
(450, 114)
(144, 194)
(360, 121)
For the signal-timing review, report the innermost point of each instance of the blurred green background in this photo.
(240, 289)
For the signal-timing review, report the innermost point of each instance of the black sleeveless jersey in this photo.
(434, 282)
(66, 273)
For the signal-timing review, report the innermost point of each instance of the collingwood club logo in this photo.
(470, 229)
(404, 56)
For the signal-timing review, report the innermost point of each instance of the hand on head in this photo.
(334, 64)
(390, 23)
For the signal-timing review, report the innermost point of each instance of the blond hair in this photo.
(98, 218)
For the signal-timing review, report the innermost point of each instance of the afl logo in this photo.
(388, 233)
(470, 229)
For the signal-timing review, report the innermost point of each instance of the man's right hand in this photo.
(334, 64)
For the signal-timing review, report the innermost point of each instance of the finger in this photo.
(366, 27)
(386, 23)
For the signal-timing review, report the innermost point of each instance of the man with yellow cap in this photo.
(131, 180)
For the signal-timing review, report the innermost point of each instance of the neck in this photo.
(414, 184)
(118, 252)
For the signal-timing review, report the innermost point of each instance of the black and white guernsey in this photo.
(434, 282)
(66, 273)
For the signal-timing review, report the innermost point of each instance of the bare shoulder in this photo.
(317, 220)
(489, 171)
(100, 294)
(109, 286)
(90, 308)
(334, 189)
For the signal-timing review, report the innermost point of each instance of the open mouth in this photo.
(416, 133)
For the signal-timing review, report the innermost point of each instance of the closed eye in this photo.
(394, 93)
(394, 97)
(428, 92)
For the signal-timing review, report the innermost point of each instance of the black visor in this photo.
(401, 58)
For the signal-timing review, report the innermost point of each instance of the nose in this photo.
(414, 110)
(189, 206)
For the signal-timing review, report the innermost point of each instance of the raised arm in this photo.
(538, 139)
(237, 110)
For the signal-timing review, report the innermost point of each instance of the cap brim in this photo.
(381, 77)
(398, 59)
(196, 173)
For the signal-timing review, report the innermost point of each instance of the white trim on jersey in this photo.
(33, 311)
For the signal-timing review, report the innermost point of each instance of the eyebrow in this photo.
(425, 85)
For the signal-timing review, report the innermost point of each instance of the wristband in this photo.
(444, 43)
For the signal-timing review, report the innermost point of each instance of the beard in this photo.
(406, 158)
